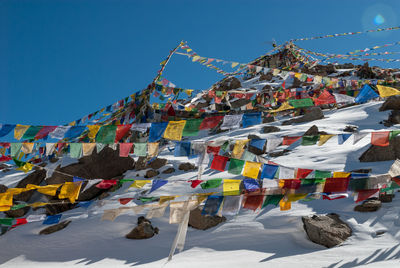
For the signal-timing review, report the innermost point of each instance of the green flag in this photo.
(301, 103)
(15, 207)
(393, 134)
(192, 127)
(106, 134)
(75, 150)
(309, 140)
(319, 174)
(148, 199)
(311, 181)
(15, 148)
(6, 221)
(272, 200)
(235, 166)
(213, 183)
(31, 132)
(140, 149)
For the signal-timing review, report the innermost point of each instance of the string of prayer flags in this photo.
(75, 150)
(19, 131)
(124, 149)
(231, 187)
(251, 169)
(157, 131)
(5, 129)
(235, 166)
(342, 138)
(157, 184)
(387, 91)
(140, 149)
(182, 148)
(366, 94)
(212, 205)
(213, 183)
(192, 127)
(210, 122)
(250, 184)
(174, 130)
(231, 121)
(251, 119)
(139, 183)
(380, 138)
(52, 219)
(106, 134)
(70, 190)
(309, 140)
(219, 162)
(121, 132)
(324, 138)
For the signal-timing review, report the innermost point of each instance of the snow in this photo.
(271, 238)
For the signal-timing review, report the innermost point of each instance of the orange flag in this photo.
(380, 138)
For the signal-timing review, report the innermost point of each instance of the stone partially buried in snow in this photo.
(369, 205)
(327, 230)
(186, 166)
(203, 222)
(143, 230)
(312, 113)
(391, 103)
(382, 153)
(157, 163)
(151, 173)
(54, 228)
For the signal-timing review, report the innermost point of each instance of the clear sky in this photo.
(61, 60)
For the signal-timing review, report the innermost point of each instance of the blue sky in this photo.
(61, 60)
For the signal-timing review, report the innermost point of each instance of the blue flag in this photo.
(182, 148)
(251, 119)
(76, 179)
(157, 130)
(259, 144)
(5, 129)
(343, 137)
(52, 219)
(84, 204)
(74, 132)
(157, 184)
(212, 205)
(268, 171)
(251, 184)
(366, 94)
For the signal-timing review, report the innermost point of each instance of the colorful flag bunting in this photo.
(251, 169)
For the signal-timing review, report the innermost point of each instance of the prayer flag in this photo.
(44, 132)
(338, 174)
(219, 162)
(303, 173)
(325, 98)
(231, 121)
(19, 131)
(192, 127)
(157, 184)
(124, 149)
(364, 194)
(27, 147)
(336, 185)
(289, 183)
(300, 103)
(251, 119)
(212, 205)
(387, 91)
(380, 138)
(286, 173)
(235, 166)
(106, 184)
(210, 122)
(52, 219)
(319, 174)
(238, 149)
(31, 132)
(290, 140)
(139, 183)
(268, 171)
(366, 94)
(93, 129)
(251, 169)
(88, 148)
(195, 183)
(182, 148)
(253, 201)
(106, 134)
(121, 132)
(213, 183)
(5, 129)
(152, 149)
(323, 139)
(157, 130)
(59, 132)
(272, 200)
(140, 149)
(393, 134)
(258, 143)
(174, 130)
(74, 132)
(75, 150)
(273, 143)
(6, 221)
(251, 184)
(231, 205)
(284, 205)
(342, 138)
(70, 190)
(231, 187)
(309, 140)
(358, 136)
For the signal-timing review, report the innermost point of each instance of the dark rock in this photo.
(54, 159)
(228, 84)
(327, 230)
(386, 198)
(151, 173)
(312, 113)
(270, 129)
(140, 163)
(18, 213)
(363, 170)
(203, 222)
(35, 178)
(186, 166)
(157, 163)
(382, 153)
(350, 129)
(393, 119)
(168, 170)
(253, 137)
(365, 72)
(54, 228)
(3, 188)
(312, 131)
(59, 207)
(280, 153)
(381, 232)
(239, 103)
(104, 165)
(266, 77)
(143, 230)
(103, 195)
(391, 103)
(369, 205)
(90, 193)
(268, 119)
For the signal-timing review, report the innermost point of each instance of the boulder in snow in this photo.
(382, 153)
(143, 230)
(151, 173)
(327, 230)
(270, 129)
(312, 113)
(203, 222)
(54, 228)
(186, 166)
(391, 103)
(369, 205)
(157, 163)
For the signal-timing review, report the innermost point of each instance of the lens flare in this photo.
(379, 19)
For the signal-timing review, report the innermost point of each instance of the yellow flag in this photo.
(164, 199)
(234, 64)
(285, 106)
(50, 189)
(341, 174)
(27, 147)
(295, 197)
(70, 190)
(6, 200)
(152, 149)
(19, 131)
(25, 168)
(387, 91)
(38, 204)
(87, 148)
(284, 205)
(174, 130)
(139, 183)
(189, 92)
(251, 169)
(15, 191)
(238, 149)
(323, 139)
(93, 129)
(73, 123)
(231, 187)
(195, 58)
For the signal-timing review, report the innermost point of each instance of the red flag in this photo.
(21, 221)
(5, 144)
(171, 111)
(290, 140)
(325, 98)
(213, 150)
(380, 138)
(44, 131)
(106, 184)
(364, 194)
(124, 201)
(334, 197)
(291, 184)
(211, 122)
(5, 158)
(195, 183)
(303, 173)
(124, 149)
(219, 162)
(122, 130)
(336, 185)
(253, 201)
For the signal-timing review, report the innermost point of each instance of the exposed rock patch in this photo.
(270, 129)
(391, 103)
(312, 113)
(151, 173)
(143, 230)
(382, 153)
(203, 222)
(369, 205)
(186, 166)
(54, 228)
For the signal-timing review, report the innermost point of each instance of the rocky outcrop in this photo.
(35, 178)
(386, 198)
(203, 222)
(382, 153)
(187, 166)
(157, 163)
(393, 119)
(312, 113)
(168, 170)
(151, 173)
(54, 228)
(270, 129)
(369, 205)
(391, 103)
(228, 84)
(327, 230)
(143, 230)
